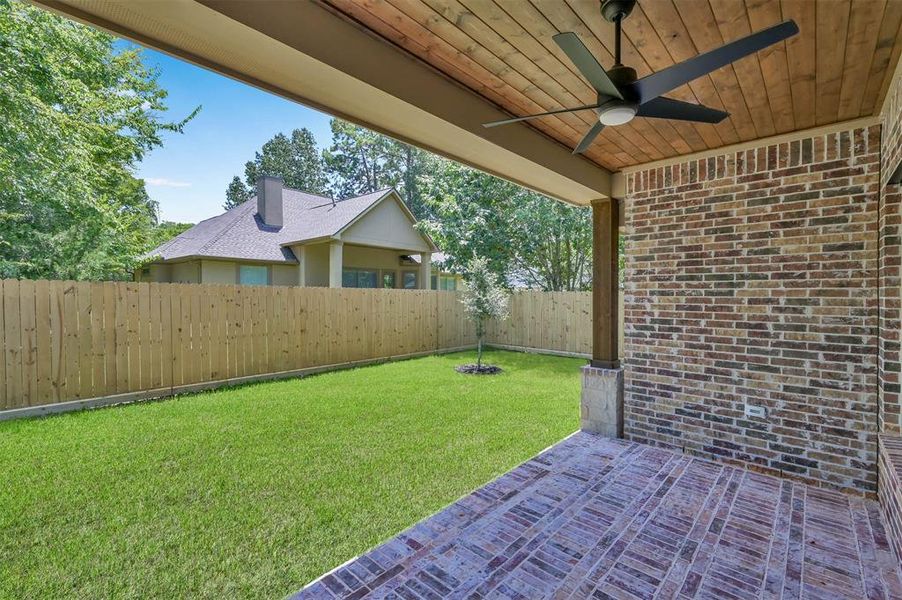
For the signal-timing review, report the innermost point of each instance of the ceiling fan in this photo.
(621, 96)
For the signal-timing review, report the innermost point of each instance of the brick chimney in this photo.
(269, 200)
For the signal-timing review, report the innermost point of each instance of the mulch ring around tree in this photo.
(473, 369)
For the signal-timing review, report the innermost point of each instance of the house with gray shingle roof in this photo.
(288, 237)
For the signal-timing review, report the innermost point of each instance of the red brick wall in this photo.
(751, 277)
(890, 416)
(890, 200)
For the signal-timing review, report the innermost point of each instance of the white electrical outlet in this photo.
(756, 412)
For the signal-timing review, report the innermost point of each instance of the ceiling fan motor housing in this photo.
(611, 10)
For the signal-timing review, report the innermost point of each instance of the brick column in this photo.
(601, 401)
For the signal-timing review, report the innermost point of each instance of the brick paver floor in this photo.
(598, 518)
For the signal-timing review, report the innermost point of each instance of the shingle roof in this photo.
(239, 233)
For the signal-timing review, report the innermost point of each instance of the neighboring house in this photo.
(288, 237)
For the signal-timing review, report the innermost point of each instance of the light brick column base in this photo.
(601, 402)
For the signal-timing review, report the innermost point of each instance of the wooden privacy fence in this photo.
(560, 322)
(64, 341)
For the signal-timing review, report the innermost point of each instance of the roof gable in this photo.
(387, 223)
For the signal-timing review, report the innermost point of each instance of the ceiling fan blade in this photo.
(673, 77)
(544, 114)
(588, 138)
(574, 48)
(668, 108)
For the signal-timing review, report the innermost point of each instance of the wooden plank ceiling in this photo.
(838, 68)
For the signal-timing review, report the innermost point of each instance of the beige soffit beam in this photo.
(304, 52)
(618, 179)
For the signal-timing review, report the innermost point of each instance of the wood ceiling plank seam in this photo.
(371, 21)
(724, 79)
(435, 53)
(356, 10)
(645, 150)
(668, 128)
(832, 25)
(539, 101)
(483, 34)
(732, 23)
(886, 53)
(801, 61)
(700, 33)
(774, 64)
(864, 27)
(699, 91)
(454, 13)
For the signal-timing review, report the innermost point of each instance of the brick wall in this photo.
(890, 416)
(890, 200)
(751, 277)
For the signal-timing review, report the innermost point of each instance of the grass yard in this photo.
(254, 491)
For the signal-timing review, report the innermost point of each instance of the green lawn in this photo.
(254, 491)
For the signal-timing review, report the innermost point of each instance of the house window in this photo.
(449, 283)
(410, 280)
(388, 280)
(358, 278)
(434, 283)
(253, 275)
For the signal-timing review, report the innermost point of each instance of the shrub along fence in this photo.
(90, 343)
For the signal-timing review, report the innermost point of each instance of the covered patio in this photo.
(740, 444)
(593, 517)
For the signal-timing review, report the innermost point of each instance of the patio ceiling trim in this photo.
(618, 181)
(307, 53)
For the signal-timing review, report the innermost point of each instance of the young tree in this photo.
(296, 160)
(483, 299)
(237, 193)
(77, 116)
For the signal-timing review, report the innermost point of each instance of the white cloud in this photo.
(163, 182)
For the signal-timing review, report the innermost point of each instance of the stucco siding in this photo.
(218, 271)
(284, 274)
(318, 265)
(185, 272)
(387, 226)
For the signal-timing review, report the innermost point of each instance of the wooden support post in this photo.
(605, 284)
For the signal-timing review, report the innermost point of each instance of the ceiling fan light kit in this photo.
(622, 96)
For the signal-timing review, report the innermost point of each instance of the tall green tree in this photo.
(527, 239)
(76, 117)
(362, 161)
(237, 193)
(295, 159)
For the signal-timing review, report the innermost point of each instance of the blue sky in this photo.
(188, 175)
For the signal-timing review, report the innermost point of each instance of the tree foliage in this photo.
(295, 159)
(76, 116)
(528, 239)
(360, 161)
(483, 298)
(237, 193)
(165, 231)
